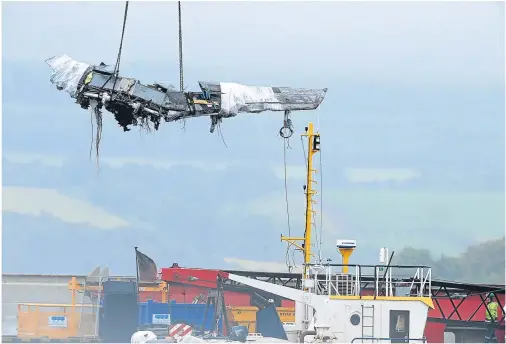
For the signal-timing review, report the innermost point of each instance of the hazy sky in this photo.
(411, 84)
(437, 43)
(382, 62)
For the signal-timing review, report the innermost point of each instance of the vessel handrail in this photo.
(372, 266)
(423, 339)
(388, 280)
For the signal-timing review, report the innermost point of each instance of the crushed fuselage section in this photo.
(133, 103)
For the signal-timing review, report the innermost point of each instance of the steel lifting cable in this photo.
(321, 203)
(98, 117)
(181, 84)
(181, 79)
(320, 241)
(118, 59)
(286, 145)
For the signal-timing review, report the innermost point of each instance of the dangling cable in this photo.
(181, 83)
(320, 243)
(181, 79)
(118, 59)
(304, 151)
(221, 134)
(317, 236)
(321, 203)
(306, 164)
(96, 109)
(286, 145)
(92, 133)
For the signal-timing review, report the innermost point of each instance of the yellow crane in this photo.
(313, 146)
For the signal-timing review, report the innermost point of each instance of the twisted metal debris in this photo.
(135, 104)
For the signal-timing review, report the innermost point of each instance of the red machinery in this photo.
(187, 285)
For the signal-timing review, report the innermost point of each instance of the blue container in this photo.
(156, 313)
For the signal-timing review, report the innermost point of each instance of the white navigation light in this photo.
(383, 255)
(350, 244)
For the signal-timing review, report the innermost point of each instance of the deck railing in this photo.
(393, 280)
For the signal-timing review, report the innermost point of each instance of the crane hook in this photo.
(286, 130)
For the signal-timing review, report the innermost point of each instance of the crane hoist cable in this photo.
(286, 132)
(286, 145)
(181, 78)
(320, 241)
(118, 59)
(98, 116)
(320, 249)
(181, 83)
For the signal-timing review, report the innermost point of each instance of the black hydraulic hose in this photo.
(389, 263)
(386, 270)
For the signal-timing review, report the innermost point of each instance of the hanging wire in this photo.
(321, 204)
(293, 259)
(181, 78)
(118, 59)
(306, 163)
(96, 111)
(320, 243)
(317, 236)
(92, 133)
(286, 145)
(221, 134)
(304, 151)
(181, 83)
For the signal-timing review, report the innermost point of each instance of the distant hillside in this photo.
(481, 263)
(199, 217)
(43, 244)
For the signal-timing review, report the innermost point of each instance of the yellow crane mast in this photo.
(313, 145)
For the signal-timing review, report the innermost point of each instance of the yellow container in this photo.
(246, 316)
(55, 321)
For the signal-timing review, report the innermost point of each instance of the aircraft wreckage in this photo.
(133, 103)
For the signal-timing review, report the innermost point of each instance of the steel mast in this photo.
(313, 145)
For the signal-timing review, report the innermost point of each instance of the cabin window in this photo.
(355, 319)
(399, 325)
